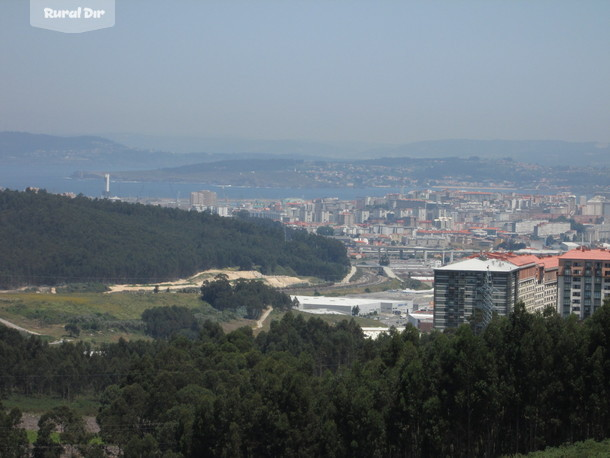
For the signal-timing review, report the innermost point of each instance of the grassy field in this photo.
(122, 306)
(232, 325)
(115, 313)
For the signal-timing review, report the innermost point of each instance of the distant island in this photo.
(471, 172)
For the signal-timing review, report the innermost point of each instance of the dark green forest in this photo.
(253, 296)
(305, 388)
(47, 239)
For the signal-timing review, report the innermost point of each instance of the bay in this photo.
(57, 179)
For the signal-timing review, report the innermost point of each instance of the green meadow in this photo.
(100, 317)
(103, 317)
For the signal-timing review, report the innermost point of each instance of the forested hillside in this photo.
(46, 239)
(309, 389)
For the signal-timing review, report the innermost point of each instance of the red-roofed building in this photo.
(537, 279)
(584, 281)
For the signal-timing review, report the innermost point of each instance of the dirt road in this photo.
(261, 320)
(349, 276)
(18, 328)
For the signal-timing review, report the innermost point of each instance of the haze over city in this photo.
(346, 72)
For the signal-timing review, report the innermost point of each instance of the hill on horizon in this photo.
(543, 152)
(154, 151)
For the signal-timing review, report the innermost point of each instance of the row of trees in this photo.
(309, 389)
(46, 239)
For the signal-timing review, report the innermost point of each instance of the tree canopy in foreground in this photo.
(305, 388)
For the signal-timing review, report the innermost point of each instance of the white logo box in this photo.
(72, 16)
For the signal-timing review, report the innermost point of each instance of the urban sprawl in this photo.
(484, 251)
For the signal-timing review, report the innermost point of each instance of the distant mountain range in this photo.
(90, 152)
(543, 152)
(551, 165)
(151, 152)
(296, 149)
(19, 143)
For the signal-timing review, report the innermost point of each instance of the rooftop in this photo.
(587, 254)
(516, 259)
(326, 301)
(480, 265)
(548, 262)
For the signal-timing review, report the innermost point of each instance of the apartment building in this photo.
(584, 281)
(498, 281)
(465, 290)
(203, 199)
(538, 279)
(546, 229)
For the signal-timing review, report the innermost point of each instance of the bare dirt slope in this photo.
(277, 281)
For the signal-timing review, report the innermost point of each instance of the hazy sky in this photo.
(329, 70)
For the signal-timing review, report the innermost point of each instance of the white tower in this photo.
(107, 188)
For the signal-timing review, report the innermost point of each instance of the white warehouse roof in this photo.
(323, 301)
